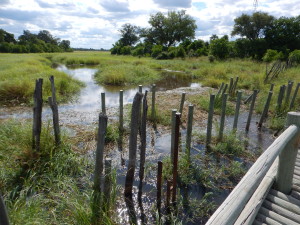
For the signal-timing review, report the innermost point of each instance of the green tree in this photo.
(284, 34)
(129, 34)
(47, 37)
(252, 26)
(65, 45)
(170, 29)
(220, 48)
(6, 37)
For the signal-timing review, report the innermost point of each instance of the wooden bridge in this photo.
(269, 193)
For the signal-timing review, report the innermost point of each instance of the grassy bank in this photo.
(18, 75)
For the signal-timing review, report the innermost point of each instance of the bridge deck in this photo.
(279, 208)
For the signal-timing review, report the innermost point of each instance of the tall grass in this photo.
(18, 75)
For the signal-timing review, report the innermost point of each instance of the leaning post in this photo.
(287, 158)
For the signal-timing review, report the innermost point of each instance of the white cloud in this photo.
(95, 24)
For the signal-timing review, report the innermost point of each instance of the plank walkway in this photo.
(279, 208)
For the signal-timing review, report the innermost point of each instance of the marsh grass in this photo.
(47, 187)
(18, 75)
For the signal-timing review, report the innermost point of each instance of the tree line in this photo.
(260, 36)
(28, 42)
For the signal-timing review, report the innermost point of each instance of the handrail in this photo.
(233, 205)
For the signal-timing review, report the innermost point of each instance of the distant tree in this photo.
(47, 37)
(220, 48)
(284, 34)
(27, 37)
(129, 34)
(170, 29)
(65, 45)
(213, 37)
(6, 37)
(252, 26)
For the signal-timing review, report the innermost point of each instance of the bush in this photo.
(156, 50)
(211, 58)
(272, 55)
(295, 56)
(180, 52)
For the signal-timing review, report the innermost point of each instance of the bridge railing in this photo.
(274, 166)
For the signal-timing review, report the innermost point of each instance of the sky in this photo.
(95, 23)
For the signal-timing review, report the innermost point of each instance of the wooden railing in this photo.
(274, 166)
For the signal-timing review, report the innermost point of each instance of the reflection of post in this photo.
(143, 141)
(135, 113)
(103, 102)
(251, 110)
(159, 184)
(175, 162)
(37, 114)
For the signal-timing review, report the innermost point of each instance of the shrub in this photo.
(156, 50)
(271, 55)
(295, 56)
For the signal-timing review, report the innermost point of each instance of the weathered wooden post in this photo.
(272, 87)
(175, 161)
(230, 85)
(280, 98)
(153, 114)
(288, 156)
(182, 102)
(141, 88)
(251, 110)
(54, 108)
(220, 89)
(173, 121)
(103, 102)
(294, 96)
(107, 184)
(135, 113)
(237, 109)
(159, 185)
(288, 93)
(121, 128)
(96, 205)
(189, 131)
(234, 86)
(210, 120)
(3, 213)
(37, 114)
(266, 109)
(223, 113)
(143, 140)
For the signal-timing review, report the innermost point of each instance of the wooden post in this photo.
(103, 102)
(280, 97)
(141, 88)
(222, 121)
(294, 96)
(220, 89)
(288, 93)
(175, 161)
(37, 114)
(3, 213)
(230, 85)
(159, 185)
(248, 99)
(96, 200)
(272, 87)
(237, 109)
(143, 139)
(234, 85)
(210, 120)
(287, 158)
(173, 121)
(153, 103)
(54, 108)
(121, 128)
(251, 110)
(189, 131)
(107, 184)
(135, 113)
(224, 90)
(266, 109)
(182, 102)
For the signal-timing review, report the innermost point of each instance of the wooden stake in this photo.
(189, 131)
(173, 121)
(37, 114)
(222, 121)
(210, 120)
(294, 96)
(251, 110)
(175, 162)
(182, 102)
(266, 109)
(237, 109)
(103, 102)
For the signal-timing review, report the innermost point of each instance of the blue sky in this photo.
(95, 23)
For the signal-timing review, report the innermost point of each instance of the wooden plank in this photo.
(284, 204)
(277, 217)
(250, 211)
(281, 211)
(284, 197)
(267, 220)
(296, 188)
(230, 209)
(258, 223)
(295, 194)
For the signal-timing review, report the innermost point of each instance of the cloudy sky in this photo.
(95, 23)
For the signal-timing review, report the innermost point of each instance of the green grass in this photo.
(18, 75)
(52, 186)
